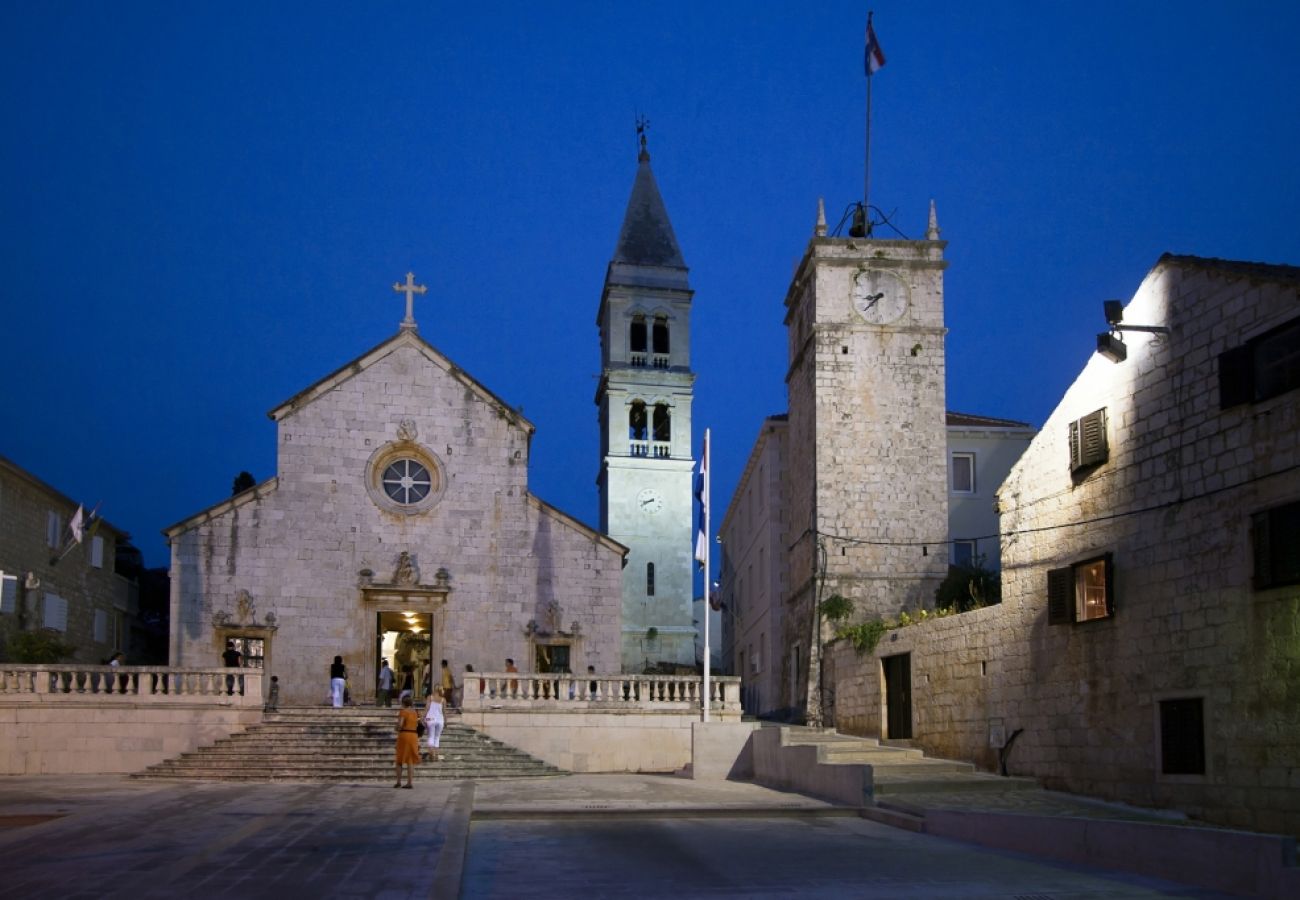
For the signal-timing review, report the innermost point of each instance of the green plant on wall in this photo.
(967, 587)
(41, 646)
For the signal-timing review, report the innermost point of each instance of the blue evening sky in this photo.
(203, 205)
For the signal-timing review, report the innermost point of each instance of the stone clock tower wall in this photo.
(867, 430)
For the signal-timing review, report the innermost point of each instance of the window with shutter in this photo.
(1082, 592)
(8, 593)
(1088, 445)
(1276, 538)
(53, 529)
(56, 612)
(101, 626)
(97, 552)
(1263, 367)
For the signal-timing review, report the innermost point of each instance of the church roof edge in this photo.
(647, 238)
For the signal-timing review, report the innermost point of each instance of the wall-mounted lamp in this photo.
(1110, 344)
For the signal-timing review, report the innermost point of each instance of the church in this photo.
(400, 526)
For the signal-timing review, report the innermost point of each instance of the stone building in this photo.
(50, 580)
(755, 532)
(1145, 649)
(399, 524)
(644, 399)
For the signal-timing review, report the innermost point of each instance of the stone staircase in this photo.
(353, 744)
(899, 769)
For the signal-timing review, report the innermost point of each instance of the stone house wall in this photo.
(1172, 504)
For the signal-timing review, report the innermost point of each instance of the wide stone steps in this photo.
(897, 768)
(354, 744)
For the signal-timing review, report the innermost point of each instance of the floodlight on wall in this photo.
(1111, 344)
(1111, 347)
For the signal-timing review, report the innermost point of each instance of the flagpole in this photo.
(866, 168)
(708, 606)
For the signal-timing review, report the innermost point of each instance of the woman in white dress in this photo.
(433, 722)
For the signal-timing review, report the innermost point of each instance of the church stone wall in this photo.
(1173, 505)
(299, 546)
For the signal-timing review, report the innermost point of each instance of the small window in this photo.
(1182, 737)
(1082, 592)
(1263, 367)
(97, 552)
(53, 530)
(1276, 534)
(8, 593)
(636, 421)
(650, 579)
(56, 612)
(1088, 445)
(963, 553)
(662, 424)
(252, 650)
(101, 626)
(963, 473)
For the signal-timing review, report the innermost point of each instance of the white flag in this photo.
(78, 524)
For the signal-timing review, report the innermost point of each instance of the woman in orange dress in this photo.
(408, 742)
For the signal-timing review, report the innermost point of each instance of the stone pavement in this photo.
(594, 836)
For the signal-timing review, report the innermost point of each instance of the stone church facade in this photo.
(399, 523)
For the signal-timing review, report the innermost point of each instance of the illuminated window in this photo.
(1276, 536)
(963, 473)
(1082, 592)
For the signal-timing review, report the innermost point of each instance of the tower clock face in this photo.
(649, 501)
(879, 296)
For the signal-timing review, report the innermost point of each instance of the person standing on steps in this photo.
(273, 697)
(433, 723)
(448, 686)
(408, 743)
(514, 682)
(338, 681)
(385, 686)
(408, 684)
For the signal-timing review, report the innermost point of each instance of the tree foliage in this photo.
(967, 587)
(243, 481)
(41, 646)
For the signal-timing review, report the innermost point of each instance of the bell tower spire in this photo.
(644, 399)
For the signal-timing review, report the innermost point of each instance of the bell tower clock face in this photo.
(879, 296)
(649, 501)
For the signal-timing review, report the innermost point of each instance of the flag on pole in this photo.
(702, 495)
(875, 57)
(77, 526)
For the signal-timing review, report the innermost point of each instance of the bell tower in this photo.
(644, 401)
(868, 444)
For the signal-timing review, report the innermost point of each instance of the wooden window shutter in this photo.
(1263, 571)
(1060, 596)
(1088, 445)
(8, 593)
(1236, 376)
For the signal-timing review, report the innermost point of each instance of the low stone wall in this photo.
(93, 736)
(799, 767)
(594, 741)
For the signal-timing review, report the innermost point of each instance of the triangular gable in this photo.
(406, 338)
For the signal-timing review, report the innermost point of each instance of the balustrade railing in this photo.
(71, 681)
(516, 690)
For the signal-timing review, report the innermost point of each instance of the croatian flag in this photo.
(702, 495)
(875, 57)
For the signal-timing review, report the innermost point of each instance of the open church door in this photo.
(405, 639)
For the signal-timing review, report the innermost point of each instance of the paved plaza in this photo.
(573, 836)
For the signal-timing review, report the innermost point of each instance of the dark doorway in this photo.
(898, 696)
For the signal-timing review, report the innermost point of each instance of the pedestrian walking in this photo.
(433, 723)
(273, 696)
(385, 685)
(408, 743)
(338, 681)
(448, 686)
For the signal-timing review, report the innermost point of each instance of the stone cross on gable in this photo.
(410, 289)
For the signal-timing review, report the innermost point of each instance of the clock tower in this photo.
(868, 444)
(644, 401)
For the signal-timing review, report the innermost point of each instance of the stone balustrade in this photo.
(642, 693)
(55, 682)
